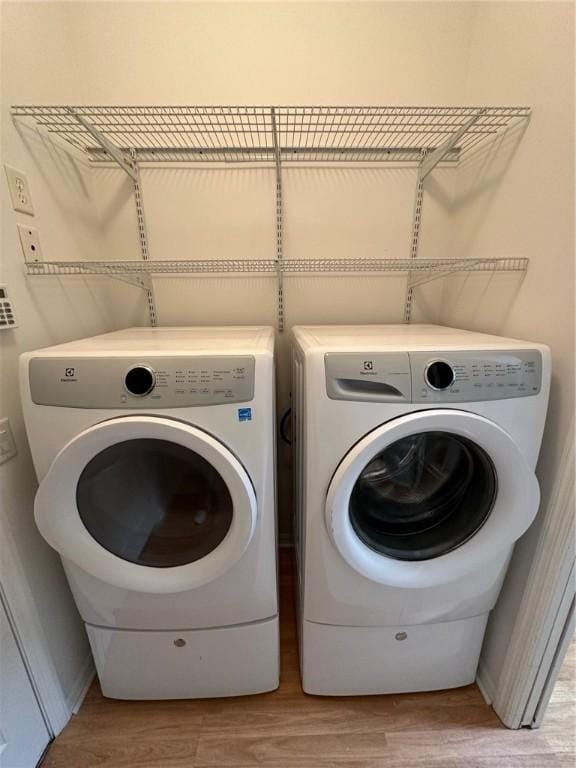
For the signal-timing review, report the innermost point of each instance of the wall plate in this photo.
(30, 242)
(19, 191)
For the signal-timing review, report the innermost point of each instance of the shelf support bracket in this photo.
(429, 276)
(484, 266)
(83, 268)
(431, 160)
(139, 279)
(416, 221)
(148, 286)
(279, 222)
(143, 239)
(129, 164)
(116, 154)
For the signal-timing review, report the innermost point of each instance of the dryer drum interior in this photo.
(423, 496)
(154, 502)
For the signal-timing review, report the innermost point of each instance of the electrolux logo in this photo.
(368, 368)
(69, 375)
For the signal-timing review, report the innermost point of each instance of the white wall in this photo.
(520, 202)
(291, 53)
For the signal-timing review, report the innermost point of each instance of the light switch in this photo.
(7, 444)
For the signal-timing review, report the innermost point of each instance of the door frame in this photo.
(544, 687)
(27, 629)
(539, 640)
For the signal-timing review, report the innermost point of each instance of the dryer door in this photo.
(148, 504)
(428, 497)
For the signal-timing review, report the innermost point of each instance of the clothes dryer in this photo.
(155, 452)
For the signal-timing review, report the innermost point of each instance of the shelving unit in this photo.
(275, 136)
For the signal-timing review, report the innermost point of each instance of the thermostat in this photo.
(7, 319)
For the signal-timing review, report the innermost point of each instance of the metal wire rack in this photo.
(249, 133)
(423, 270)
(276, 135)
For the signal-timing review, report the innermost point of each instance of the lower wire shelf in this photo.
(420, 270)
(140, 273)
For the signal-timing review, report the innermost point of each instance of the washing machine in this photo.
(155, 450)
(416, 447)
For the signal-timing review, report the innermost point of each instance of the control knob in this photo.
(140, 380)
(439, 375)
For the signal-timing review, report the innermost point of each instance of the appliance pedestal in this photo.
(189, 664)
(348, 661)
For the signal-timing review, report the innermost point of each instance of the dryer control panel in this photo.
(157, 382)
(455, 377)
(433, 376)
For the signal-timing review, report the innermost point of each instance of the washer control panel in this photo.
(159, 382)
(454, 377)
(434, 376)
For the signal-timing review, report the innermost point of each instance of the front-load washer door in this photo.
(147, 504)
(428, 497)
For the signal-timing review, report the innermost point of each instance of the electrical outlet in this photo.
(30, 242)
(19, 191)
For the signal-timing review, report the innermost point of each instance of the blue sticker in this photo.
(244, 414)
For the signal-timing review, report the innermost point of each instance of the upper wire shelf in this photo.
(259, 133)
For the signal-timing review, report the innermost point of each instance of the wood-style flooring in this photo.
(288, 729)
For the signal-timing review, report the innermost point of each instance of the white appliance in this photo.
(415, 456)
(155, 453)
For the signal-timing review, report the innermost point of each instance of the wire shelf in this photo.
(274, 135)
(118, 268)
(251, 133)
(421, 268)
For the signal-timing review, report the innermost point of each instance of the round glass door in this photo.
(428, 497)
(147, 503)
(423, 495)
(154, 502)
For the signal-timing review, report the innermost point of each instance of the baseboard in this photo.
(81, 685)
(485, 684)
